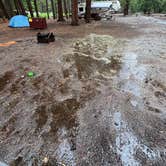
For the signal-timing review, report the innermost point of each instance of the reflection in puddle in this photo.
(132, 74)
(64, 150)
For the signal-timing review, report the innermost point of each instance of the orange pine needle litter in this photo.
(7, 44)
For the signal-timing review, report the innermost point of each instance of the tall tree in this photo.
(65, 8)
(30, 7)
(53, 9)
(47, 9)
(9, 7)
(60, 11)
(69, 6)
(17, 6)
(126, 7)
(2, 6)
(21, 7)
(74, 12)
(88, 11)
(56, 9)
(36, 8)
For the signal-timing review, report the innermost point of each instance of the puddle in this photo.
(64, 153)
(161, 22)
(127, 143)
(5, 79)
(158, 21)
(3, 164)
(131, 77)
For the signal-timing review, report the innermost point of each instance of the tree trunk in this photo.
(56, 9)
(60, 11)
(16, 6)
(36, 9)
(88, 11)
(9, 7)
(126, 7)
(53, 9)
(47, 9)
(74, 12)
(22, 7)
(65, 8)
(42, 7)
(69, 6)
(30, 7)
(2, 6)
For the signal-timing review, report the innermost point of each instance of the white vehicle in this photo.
(100, 6)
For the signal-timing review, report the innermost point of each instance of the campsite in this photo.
(88, 91)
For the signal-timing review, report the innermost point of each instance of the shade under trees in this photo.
(4, 9)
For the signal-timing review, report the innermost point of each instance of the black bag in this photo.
(45, 37)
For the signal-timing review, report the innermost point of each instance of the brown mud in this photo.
(97, 98)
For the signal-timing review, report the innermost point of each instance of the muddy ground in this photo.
(98, 97)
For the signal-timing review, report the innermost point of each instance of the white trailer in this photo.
(100, 6)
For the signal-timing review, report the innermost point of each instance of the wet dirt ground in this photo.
(98, 97)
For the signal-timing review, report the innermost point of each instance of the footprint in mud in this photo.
(9, 126)
(41, 116)
(64, 114)
(160, 94)
(4, 79)
(153, 109)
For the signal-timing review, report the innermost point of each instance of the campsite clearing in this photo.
(98, 96)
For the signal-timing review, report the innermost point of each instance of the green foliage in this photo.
(146, 6)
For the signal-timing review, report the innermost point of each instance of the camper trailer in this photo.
(100, 7)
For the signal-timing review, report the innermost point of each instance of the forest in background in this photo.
(64, 9)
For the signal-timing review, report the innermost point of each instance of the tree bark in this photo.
(69, 7)
(36, 8)
(30, 7)
(74, 13)
(88, 11)
(60, 11)
(56, 9)
(16, 6)
(2, 6)
(53, 9)
(22, 7)
(9, 7)
(65, 8)
(47, 9)
(126, 7)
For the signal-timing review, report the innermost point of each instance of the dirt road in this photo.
(98, 97)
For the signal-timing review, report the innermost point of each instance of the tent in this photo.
(19, 21)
